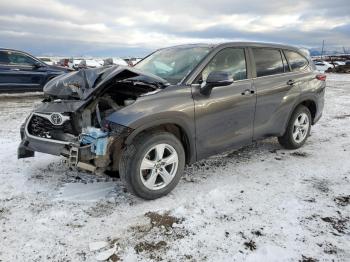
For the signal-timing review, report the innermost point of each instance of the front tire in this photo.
(298, 129)
(152, 165)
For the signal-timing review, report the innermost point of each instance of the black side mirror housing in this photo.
(216, 78)
(37, 65)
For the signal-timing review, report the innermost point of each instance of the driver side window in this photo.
(20, 59)
(230, 60)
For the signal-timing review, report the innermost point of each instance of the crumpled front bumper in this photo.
(30, 144)
(23, 151)
(91, 155)
(27, 147)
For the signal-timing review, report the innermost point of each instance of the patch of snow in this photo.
(103, 256)
(86, 192)
(94, 246)
(260, 203)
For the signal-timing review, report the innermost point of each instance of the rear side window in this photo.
(4, 60)
(268, 62)
(297, 62)
(230, 60)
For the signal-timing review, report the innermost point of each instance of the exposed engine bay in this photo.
(75, 109)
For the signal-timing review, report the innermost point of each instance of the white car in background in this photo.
(114, 61)
(338, 63)
(119, 61)
(322, 66)
(47, 60)
(92, 63)
(99, 60)
(76, 63)
(85, 63)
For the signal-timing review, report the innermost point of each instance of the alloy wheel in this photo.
(301, 127)
(159, 166)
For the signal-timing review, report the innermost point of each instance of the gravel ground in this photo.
(260, 203)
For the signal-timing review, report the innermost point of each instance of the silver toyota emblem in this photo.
(56, 119)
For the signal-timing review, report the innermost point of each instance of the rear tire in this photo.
(298, 129)
(152, 165)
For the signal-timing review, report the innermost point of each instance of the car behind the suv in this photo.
(20, 71)
(176, 106)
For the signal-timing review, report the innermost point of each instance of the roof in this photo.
(236, 43)
(259, 44)
(10, 49)
(15, 50)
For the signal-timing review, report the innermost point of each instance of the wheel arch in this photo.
(309, 102)
(312, 106)
(174, 127)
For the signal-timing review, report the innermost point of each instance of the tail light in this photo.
(321, 77)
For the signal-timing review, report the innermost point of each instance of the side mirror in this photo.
(37, 65)
(216, 78)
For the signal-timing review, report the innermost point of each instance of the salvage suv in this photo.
(176, 106)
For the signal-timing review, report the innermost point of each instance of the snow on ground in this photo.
(260, 203)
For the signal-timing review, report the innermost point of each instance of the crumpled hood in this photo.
(81, 84)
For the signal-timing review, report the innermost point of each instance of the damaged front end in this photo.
(72, 120)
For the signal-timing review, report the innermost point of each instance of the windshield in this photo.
(173, 64)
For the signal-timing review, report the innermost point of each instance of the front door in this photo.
(224, 119)
(19, 72)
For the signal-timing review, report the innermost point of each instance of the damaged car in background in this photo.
(176, 106)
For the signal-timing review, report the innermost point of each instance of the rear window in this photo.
(297, 62)
(268, 61)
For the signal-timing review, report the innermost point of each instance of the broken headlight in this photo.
(115, 129)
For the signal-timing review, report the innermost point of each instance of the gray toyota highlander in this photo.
(176, 106)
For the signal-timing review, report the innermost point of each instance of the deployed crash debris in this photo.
(76, 116)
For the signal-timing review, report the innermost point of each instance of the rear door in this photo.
(224, 119)
(277, 87)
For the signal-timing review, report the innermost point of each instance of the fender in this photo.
(302, 98)
(153, 122)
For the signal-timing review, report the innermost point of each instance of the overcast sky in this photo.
(134, 27)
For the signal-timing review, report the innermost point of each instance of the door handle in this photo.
(247, 92)
(290, 82)
(15, 69)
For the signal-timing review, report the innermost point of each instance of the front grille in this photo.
(42, 127)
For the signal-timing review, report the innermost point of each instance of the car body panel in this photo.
(224, 119)
(275, 99)
(20, 77)
(149, 112)
(85, 83)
